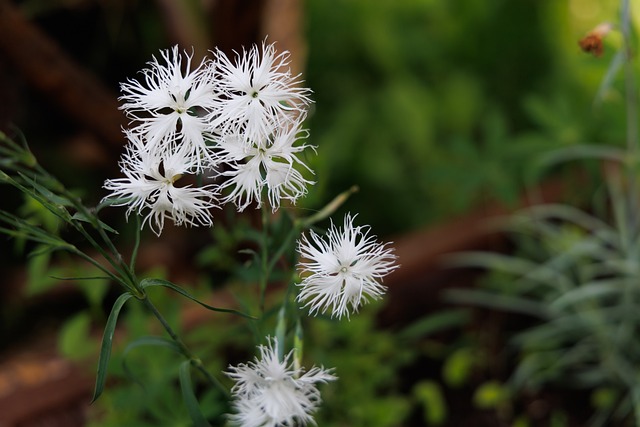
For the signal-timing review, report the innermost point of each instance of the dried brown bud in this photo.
(592, 42)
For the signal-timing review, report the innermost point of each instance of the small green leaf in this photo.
(107, 341)
(82, 217)
(74, 340)
(430, 396)
(490, 395)
(39, 272)
(112, 201)
(458, 367)
(189, 397)
(54, 203)
(604, 397)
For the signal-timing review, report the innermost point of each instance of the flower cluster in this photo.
(230, 131)
(188, 124)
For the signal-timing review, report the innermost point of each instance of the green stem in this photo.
(630, 86)
(136, 246)
(295, 230)
(74, 250)
(264, 254)
(195, 361)
(632, 113)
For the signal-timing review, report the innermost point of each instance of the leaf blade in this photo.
(107, 341)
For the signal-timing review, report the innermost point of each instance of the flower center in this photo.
(180, 100)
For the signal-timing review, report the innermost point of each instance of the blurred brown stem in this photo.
(45, 66)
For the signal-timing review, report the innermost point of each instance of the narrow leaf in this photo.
(47, 193)
(107, 341)
(435, 323)
(145, 283)
(616, 64)
(598, 290)
(498, 302)
(189, 396)
(82, 217)
(582, 151)
(111, 201)
(281, 331)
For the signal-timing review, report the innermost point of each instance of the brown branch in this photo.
(45, 66)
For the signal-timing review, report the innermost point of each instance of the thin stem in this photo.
(127, 277)
(632, 113)
(117, 262)
(625, 28)
(136, 245)
(264, 254)
(95, 263)
(295, 229)
(195, 361)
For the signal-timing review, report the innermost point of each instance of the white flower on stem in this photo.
(150, 185)
(345, 269)
(253, 167)
(169, 106)
(271, 393)
(257, 93)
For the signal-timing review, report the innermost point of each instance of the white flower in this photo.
(344, 269)
(170, 105)
(150, 183)
(256, 94)
(270, 393)
(253, 167)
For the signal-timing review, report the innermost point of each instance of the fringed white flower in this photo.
(170, 104)
(274, 166)
(270, 393)
(343, 270)
(256, 94)
(150, 185)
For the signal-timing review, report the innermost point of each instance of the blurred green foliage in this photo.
(432, 107)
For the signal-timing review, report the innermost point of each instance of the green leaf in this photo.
(39, 272)
(582, 151)
(145, 283)
(93, 221)
(490, 395)
(109, 201)
(604, 397)
(189, 397)
(612, 71)
(499, 302)
(434, 323)
(458, 367)
(587, 292)
(107, 341)
(74, 340)
(45, 196)
(430, 396)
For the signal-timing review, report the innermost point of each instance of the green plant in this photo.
(576, 272)
(226, 131)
